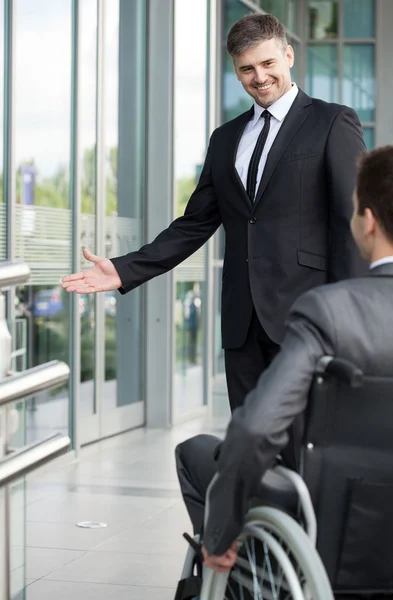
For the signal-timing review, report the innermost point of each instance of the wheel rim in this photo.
(264, 571)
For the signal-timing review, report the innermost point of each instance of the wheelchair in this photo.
(344, 484)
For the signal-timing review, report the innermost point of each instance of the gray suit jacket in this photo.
(350, 319)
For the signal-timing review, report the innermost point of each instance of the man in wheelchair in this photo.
(339, 437)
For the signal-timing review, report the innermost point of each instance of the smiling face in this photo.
(264, 71)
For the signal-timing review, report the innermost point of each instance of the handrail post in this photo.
(5, 365)
(11, 273)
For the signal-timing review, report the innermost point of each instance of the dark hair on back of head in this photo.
(374, 186)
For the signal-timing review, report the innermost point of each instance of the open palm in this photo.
(100, 278)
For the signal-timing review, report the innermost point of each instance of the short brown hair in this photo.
(374, 186)
(252, 30)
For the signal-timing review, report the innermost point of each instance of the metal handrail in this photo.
(13, 273)
(31, 457)
(32, 381)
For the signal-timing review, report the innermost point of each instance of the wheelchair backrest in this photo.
(347, 463)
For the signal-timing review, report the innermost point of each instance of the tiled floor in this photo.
(129, 482)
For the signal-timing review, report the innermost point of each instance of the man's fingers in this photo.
(90, 256)
(79, 288)
(74, 277)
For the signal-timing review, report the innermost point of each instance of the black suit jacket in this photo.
(294, 237)
(351, 319)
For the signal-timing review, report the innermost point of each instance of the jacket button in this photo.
(253, 220)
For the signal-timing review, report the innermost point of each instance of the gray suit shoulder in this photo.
(324, 302)
(329, 292)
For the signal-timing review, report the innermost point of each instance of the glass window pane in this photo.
(369, 137)
(88, 139)
(322, 19)
(295, 68)
(321, 78)
(43, 220)
(234, 99)
(218, 365)
(359, 18)
(111, 112)
(359, 80)
(233, 11)
(293, 15)
(190, 148)
(2, 204)
(278, 8)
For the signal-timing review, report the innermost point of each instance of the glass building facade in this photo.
(107, 110)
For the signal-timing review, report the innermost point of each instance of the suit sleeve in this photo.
(182, 238)
(258, 430)
(345, 143)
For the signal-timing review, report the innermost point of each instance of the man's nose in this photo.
(260, 76)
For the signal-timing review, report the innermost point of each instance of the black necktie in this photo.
(256, 156)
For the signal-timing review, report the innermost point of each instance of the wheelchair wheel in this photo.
(277, 561)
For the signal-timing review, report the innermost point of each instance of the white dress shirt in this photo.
(278, 111)
(382, 261)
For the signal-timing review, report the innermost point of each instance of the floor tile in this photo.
(141, 540)
(68, 536)
(122, 569)
(174, 520)
(72, 508)
(42, 561)
(61, 590)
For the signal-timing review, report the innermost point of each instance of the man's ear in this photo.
(290, 56)
(370, 222)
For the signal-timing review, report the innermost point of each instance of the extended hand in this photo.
(103, 277)
(223, 563)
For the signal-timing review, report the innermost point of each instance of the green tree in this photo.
(184, 188)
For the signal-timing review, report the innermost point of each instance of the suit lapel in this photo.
(233, 143)
(293, 121)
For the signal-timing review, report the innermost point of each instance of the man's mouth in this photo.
(263, 88)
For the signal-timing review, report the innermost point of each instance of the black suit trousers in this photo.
(244, 365)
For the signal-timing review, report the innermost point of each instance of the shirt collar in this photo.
(280, 108)
(382, 261)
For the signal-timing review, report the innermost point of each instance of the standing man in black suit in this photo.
(279, 178)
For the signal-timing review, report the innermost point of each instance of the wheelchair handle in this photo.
(341, 369)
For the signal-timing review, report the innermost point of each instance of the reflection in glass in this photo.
(233, 11)
(88, 139)
(359, 80)
(292, 16)
(369, 137)
(234, 99)
(321, 78)
(111, 111)
(295, 68)
(2, 203)
(190, 145)
(219, 365)
(322, 19)
(278, 8)
(359, 18)
(43, 223)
